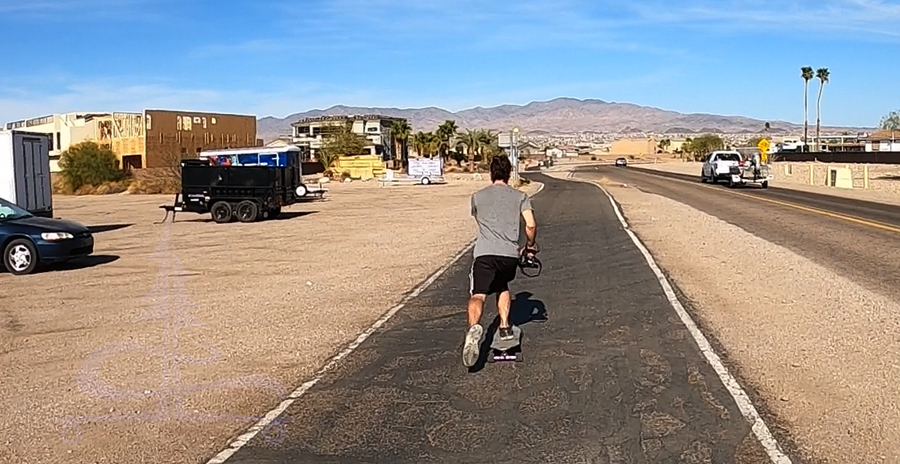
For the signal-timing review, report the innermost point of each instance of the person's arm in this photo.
(530, 224)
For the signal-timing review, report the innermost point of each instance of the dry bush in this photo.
(154, 186)
(108, 188)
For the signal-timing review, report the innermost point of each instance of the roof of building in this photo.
(883, 135)
(343, 117)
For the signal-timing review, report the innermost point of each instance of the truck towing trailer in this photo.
(25, 171)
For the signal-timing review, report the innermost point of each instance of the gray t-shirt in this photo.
(501, 228)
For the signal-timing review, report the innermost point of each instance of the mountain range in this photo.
(557, 117)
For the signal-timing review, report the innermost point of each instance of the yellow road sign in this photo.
(763, 145)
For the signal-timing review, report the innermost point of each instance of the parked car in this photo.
(718, 166)
(621, 162)
(28, 241)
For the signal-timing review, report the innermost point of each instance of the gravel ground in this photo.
(277, 298)
(883, 186)
(819, 350)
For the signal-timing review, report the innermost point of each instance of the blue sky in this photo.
(281, 57)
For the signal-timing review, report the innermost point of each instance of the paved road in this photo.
(611, 377)
(862, 252)
(867, 210)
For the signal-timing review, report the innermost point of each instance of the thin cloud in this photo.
(867, 19)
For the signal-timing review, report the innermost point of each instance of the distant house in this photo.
(882, 141)
(529, 149)
(634, 146)
(554, 152)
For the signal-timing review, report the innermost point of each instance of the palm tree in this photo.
(806, 73)
(472, 141)
(822, 74)
(400, 132)
(445, 134)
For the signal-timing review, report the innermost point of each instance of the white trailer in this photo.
(25, 171)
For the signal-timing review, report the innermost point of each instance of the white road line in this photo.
(245, 438)
(740, 397)
(242, 440)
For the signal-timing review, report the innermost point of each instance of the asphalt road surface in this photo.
(853, 238)
(611, 377)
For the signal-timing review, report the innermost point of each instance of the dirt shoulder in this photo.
(273, 299)
(816, 350)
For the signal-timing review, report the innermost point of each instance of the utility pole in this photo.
(515, 153)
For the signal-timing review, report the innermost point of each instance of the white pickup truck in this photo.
(731, 167)
(717, 165)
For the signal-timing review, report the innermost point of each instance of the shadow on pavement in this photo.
(107, 228)
(522, 310)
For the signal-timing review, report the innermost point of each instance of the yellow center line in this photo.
(856, 220)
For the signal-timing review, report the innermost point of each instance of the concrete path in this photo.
(611, 377)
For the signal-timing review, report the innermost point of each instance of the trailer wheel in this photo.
(426, 181)
(247, 211)
(20, 257)
(221, 212)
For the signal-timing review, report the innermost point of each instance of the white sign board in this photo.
(504, 140)
(426, 167)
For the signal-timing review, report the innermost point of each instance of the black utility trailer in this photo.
(245, 193)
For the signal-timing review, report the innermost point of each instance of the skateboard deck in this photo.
(506, 350)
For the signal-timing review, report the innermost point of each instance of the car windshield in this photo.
(10, 211)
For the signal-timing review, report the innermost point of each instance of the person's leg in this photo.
(506, 273)
(503, 303)
(479, 283)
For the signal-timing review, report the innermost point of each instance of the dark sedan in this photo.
(28, 241)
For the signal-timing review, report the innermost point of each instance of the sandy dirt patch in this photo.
(819, 351)
(273, 299)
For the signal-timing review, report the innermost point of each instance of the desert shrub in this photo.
(88, 165)
(154, 186)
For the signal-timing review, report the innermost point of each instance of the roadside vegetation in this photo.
(87, 168)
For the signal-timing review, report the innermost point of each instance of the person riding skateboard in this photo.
(499, 211)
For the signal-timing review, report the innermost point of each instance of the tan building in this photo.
(634, 147)
(162, 138)
(64, 130)
(150, 139)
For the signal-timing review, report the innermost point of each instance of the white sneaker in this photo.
(470, 348)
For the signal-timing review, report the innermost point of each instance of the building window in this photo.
(213, 120)
(177, 122)
(149, 120)
(58, 140)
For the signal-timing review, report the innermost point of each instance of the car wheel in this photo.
(20, 257)
(765, 184)
(247, 211)
(426, 181)
(274, 212)
(301, 191)
(221, 212)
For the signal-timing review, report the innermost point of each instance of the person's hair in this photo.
(500, 168)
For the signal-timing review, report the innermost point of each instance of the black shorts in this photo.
(492, 274)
